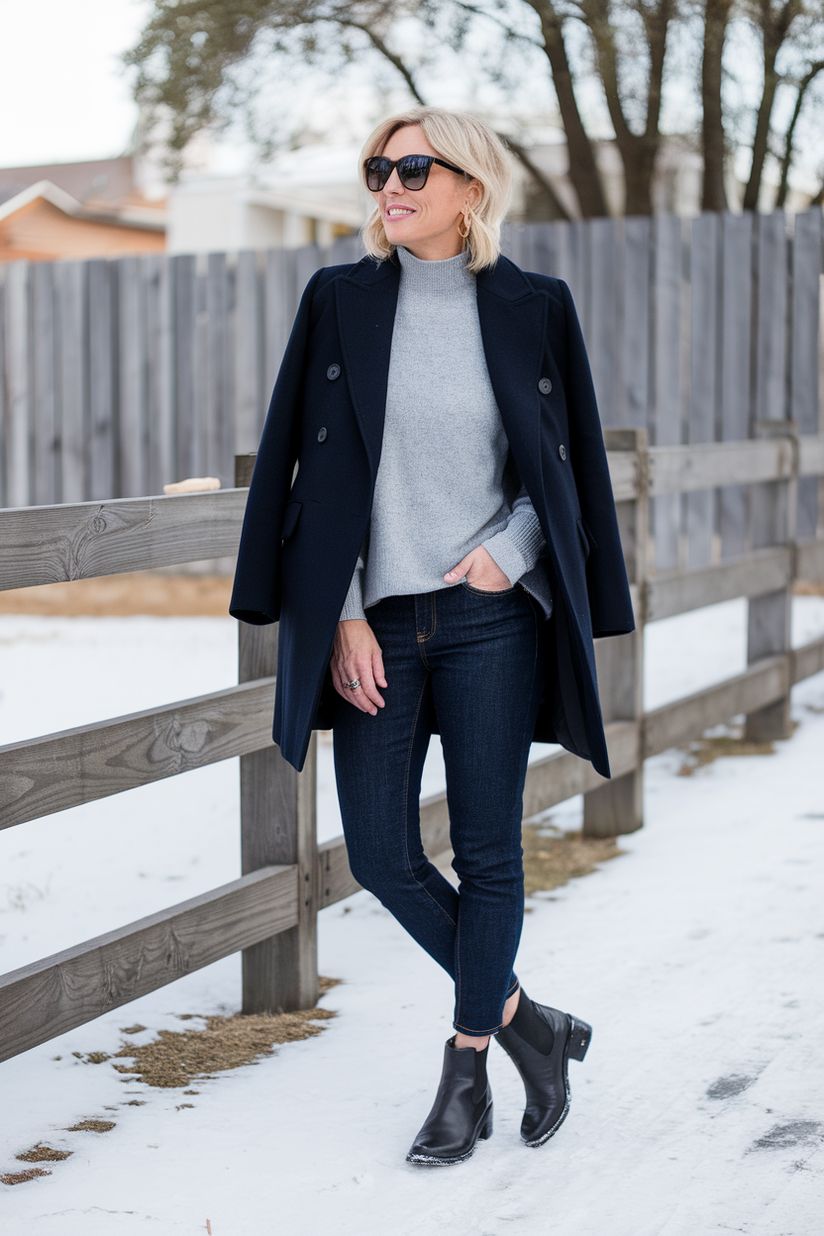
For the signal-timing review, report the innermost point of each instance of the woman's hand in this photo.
(356, 654)
(481, 571)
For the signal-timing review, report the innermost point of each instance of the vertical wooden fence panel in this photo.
(219, 301)
(160, 381)
(133, 438)
(46, 443)
(604, 316)
(667, 258)
(104, 379)
(247, 355)
(202, 369)
(18, 384)
(279, 310)
(736, 326)
(807, 268)
(636, 398)
(704, 370)
(73, 341)
(184, 285)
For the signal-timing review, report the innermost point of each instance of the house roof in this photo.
(143, 217)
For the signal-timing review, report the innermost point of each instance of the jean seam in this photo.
(406, 812)
(477, 1033)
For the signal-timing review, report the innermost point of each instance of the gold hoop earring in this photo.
(467, 223)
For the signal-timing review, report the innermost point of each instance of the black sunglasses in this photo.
(413, 171)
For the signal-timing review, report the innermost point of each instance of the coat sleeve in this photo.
(256, 592)
(609, 597)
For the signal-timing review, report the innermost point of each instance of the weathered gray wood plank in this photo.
(683, 469)
(736, 328)
(704, 373)
(635, 361)
(78, 984)
(183, 269)
(133, 426)
(46, 444)
(604, 318)
(44, 775)
(335, 880)
(161, 458)
(248, 338)
(807, 660)
(18, 426)
(759, 572)
(104, 380)
(678, 722)
(667, 326)
(73, 343)
(49, 544)
(807, 265)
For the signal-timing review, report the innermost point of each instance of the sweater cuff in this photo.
(519, 545)
(353, 605)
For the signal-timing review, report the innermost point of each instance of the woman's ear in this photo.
(474, 195)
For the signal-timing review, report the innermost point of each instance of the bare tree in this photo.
(713, 139)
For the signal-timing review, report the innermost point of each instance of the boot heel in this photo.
(580, 1036)
(486, 1131)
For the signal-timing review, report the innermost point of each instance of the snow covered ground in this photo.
(697, 957)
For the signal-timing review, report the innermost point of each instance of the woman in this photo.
(447, 551)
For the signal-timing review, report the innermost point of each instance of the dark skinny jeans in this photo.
(475, 660)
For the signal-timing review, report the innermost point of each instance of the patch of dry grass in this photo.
(91, 1126)
(43, 1154)
(136, 592)
(31, 1173)
(177, 1058)
(704, 751)
(551, 858)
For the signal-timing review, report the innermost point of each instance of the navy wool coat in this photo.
(302, 533)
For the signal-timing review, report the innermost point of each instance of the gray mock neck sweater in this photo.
(446, 483)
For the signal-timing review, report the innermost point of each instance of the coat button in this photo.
(562, 451)
(333, 372)
(322, 436)
(544, 386)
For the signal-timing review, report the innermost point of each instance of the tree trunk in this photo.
(774, 30)
(638, 150)
(787, 157)
(583, 170)
(716, 17)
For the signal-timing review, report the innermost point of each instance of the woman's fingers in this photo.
(357, 656)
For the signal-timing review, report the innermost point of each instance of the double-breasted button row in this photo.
(562, 451)
(544, 386)
(322, 434)
(333, 372)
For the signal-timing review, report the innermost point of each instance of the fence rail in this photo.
(270, 913)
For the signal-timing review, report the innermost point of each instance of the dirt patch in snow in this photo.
(551, 858)
(43, 1154)
(177, 1058)
(31, 1173)
(704, 751)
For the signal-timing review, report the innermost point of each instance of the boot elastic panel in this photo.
(530, 1026)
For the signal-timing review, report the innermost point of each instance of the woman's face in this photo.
(424, 221)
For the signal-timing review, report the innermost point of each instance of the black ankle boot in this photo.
(462, 1111)
(540, 1042)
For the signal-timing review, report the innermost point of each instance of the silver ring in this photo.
(354, 684)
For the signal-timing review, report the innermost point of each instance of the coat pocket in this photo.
(290, 519)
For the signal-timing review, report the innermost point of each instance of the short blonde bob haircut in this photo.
(467, 143)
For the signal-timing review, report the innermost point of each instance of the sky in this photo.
(65, 52)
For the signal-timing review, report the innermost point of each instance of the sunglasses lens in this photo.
(378, 171)
(414, 170)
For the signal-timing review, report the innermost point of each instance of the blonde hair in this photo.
(467, 143)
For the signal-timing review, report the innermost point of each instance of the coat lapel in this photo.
(366, 304)
(514, 332)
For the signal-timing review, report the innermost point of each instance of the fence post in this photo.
(277, 825)
(617, 806)
(769, 618)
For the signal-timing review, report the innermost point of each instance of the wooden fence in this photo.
(119, 376)
(270, 913)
